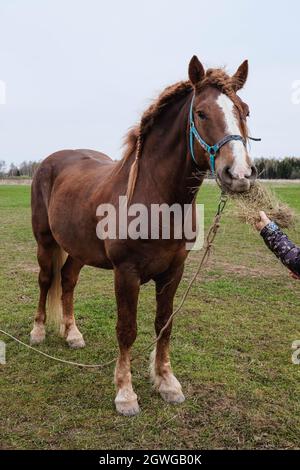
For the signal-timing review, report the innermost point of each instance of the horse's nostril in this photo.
(226, 175)
(227, 172)
(253, 174)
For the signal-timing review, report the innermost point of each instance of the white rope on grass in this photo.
(64, 361)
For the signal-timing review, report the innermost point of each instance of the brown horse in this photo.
(156, 168)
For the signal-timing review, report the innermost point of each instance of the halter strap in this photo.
(210, 149)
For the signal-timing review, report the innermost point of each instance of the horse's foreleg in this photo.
(69, 278)
(44, 256)
(161, 372)
(127, 286)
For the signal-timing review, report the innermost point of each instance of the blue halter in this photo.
(210, 149)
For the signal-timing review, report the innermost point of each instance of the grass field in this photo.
(231, 350)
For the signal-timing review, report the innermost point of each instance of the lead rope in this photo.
(209, 240)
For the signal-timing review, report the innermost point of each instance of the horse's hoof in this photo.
(170, 389)
(35, 340)
(126, 402)
(174, 397)
(37, 335)
(74, 338)
(128, 408)
(76, 343)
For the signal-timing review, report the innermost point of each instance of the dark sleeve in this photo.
(282, 247)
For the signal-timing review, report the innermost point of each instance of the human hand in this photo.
(294, 276)
(264, 220)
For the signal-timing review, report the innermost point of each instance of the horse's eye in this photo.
(202, 115)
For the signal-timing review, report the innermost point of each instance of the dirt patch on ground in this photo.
(242, 270)
(28, 181)
(31, 268)
(14, 181)
(226, 268)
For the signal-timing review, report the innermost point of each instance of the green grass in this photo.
(230, 349)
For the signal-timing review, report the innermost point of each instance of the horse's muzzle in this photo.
(237, 184)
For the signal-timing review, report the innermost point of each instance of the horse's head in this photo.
(219, 112)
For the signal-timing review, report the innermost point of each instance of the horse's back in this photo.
(94, 154)
(70, 162)
(70, 168)
(59, 161)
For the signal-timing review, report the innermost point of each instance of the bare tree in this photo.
(13, 170)
(2, 168)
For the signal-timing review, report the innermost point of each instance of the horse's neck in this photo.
(166, 168)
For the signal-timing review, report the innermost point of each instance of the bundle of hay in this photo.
(260, 198)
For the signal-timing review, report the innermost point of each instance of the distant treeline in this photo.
(25, 169)
(286, 168)
(268, 168)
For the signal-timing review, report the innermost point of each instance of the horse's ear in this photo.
(238, 80)
(196, 70)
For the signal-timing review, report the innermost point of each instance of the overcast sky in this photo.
(78, 73)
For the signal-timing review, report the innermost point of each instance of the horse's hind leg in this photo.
(69, 277)
(160, 367)
(44, 256)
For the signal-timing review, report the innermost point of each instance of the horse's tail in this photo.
(54, 302)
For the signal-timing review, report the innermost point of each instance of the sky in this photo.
(79, 73)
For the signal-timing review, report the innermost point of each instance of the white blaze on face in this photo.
(240, 167)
